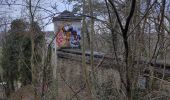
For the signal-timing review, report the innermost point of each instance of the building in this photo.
(67, 27)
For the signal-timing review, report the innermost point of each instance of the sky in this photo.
(14, 11)
(61, 7)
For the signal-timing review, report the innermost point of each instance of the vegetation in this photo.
(0, 61)
(131, 35)
(16, 54)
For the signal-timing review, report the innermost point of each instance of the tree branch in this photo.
(117, 15)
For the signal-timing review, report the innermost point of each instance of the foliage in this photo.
(16, 53)
(10, 61)
(97, 6)
(0, 61)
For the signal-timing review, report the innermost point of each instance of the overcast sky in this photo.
(14, 11)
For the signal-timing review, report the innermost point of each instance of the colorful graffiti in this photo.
(68, 36)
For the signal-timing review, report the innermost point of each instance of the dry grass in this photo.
(24, 93)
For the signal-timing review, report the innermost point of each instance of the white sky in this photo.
(15, 11)
(61, 7)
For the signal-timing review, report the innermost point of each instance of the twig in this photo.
(100, 63)
(69, 86)
(130, 33)
(168, 82)
(82, 88)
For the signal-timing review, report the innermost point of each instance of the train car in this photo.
(67, 28)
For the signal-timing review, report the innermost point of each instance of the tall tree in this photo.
(124, 30)
(12, 53)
